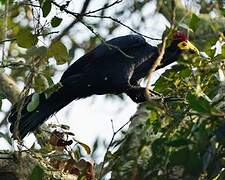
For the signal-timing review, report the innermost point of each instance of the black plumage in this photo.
(101, 71)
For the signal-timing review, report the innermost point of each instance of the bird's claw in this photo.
(154, 93)
(142, 94)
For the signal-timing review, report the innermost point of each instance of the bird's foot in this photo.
(154, 93)
(141, 94)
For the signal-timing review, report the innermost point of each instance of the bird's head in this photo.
(183, 44)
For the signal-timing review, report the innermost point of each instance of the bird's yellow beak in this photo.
(188, 46)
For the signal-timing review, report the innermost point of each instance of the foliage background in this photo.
(182, 139)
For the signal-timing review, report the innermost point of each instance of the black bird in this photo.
(101, 71)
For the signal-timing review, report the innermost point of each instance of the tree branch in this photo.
(123, 24)
(162, 51)
(9, 88)
(104, 7)
(110, 144)
(155, 65)
(80, 16)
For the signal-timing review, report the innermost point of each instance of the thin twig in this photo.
(44, 34)
(104, 7)
(22, 98)
(6, 40)
(103, 41)
(123, 24)
(83, 10)
(154, 66)
(79, 16)
(15, 65)
(91, 29)
(162, 52)
(110, 144)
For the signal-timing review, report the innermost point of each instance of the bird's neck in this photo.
(171, 54)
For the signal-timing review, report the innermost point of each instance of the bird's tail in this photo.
(29, 121)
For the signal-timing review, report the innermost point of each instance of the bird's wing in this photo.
(124, 43)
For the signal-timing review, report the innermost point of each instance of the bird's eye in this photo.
(184, 44)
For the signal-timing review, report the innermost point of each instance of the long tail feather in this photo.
(47, 107)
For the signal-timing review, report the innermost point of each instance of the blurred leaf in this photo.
(158, 146)
(26, 39)
(194, 22)
(220, 176)
(64, 126)
(56, 21)
(96, 145)
(197, 104)
(34, 103)
(59, 52)
(223, 52)
(178, 142)
(2, 1)
(193, 163)
(85, 146)
(223, 11)
(57, 139)
(40, 83)
(185, 73)
(37, 51)
(37, 173)
(153, 116)
(2, 95)
(179, 157)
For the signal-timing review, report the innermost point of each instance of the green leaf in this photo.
(40, 83)
(179, 157)
(33, 104)
(194, 163)
(198, 104)
(59, 52)
(2, 95)
(46, 7)
(37, 51)
(168, 33)
(158, 146)
(194, 22)
(185, 73)
(85, 146)
(37, 173)
(223, 11)
(26, 39)
(56, 21)
(178, 142)
(153, 116)
(223, 51)
(64, 126)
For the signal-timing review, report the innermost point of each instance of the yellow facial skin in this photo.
(186, 45)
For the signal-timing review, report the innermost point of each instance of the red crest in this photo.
(180, 36)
